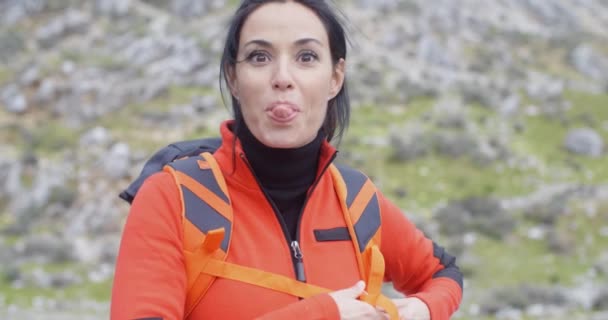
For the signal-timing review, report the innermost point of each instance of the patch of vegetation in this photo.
(435, 179)
(5, 75)
(90, 60)
(129, 123)
(86, 290)
(523, 261)
(370, 120)
(52, 135)
(543, 137)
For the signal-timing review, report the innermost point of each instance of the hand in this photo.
(412, 309)
(351, 308)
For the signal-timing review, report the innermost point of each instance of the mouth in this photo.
(282, 111)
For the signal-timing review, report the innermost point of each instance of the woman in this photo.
(284, 64)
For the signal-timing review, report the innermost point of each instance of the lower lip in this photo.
(282, 120)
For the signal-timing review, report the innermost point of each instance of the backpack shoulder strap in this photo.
(358, 195)
(360, 205)
(207, 219)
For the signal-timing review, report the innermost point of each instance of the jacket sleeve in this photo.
(417, 266)
(150, 277)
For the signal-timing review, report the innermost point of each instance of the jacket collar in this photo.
(232, 161)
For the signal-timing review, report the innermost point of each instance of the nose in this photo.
(282, 79)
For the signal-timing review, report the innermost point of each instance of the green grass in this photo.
(23, 297)
(86, 290)
(544, 137)
(127, 125)
(433, 179)
(52, 136)
(522, 260)
(369, 120)
(46, 136)
(5, 75)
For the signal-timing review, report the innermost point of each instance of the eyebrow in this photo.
(267, 44)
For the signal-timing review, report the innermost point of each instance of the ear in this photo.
(337, 79)
(231, 80)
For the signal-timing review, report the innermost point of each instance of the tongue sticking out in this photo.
(282, 113)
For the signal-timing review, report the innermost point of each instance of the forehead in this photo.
(283, 22)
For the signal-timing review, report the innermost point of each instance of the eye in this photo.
(258, 57)
(308, 57)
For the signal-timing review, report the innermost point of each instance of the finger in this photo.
(354, 291)
(373, 312)
(401, 302)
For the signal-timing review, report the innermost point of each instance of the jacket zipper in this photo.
(296, 256)
(296, 252)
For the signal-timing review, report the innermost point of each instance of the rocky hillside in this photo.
(487, 122)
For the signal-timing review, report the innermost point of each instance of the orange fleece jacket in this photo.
(150, 279)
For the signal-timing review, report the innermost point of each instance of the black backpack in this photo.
(166, 155)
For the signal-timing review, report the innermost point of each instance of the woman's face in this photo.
(285, 75)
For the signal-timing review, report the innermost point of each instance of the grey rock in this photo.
(449, 112)
(205, 104)
(13, 99)
(11, 43)
(146, 50)
(185, 58)
(97, 136)
(152, 89)
(548, 212)
(522, 297)
(432, 52)
(599, 316)
(42, 279)
(11, 273)
(378, 5)
(65, 279)
(600, 302)
(584, 141)
(117, 161)
(544, 88)
(484, 215)
(47, 92)
(30, 75)
(455, 144)
(550, 14)
(411, 145)
(72, 22)
(117, 8)
(109, 251)
(561, 242)
(12, 11)
(589, 62)
(189, 8)
(96, 250)
(510, 105)
(601, 266)
(45, 248)
(480, 94)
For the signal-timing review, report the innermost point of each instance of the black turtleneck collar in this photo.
(279, 167)
(285, 174)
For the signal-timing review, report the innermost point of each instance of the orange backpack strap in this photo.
(207, 220)
(361, 211)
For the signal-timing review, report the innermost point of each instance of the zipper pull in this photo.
(297, 254)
